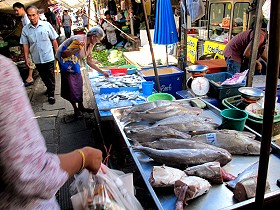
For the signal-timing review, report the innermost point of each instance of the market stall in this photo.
(226, 18)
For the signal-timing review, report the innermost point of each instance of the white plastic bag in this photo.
(237, 78)
(108, 189)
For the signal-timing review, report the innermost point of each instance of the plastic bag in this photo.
(237, 78)
(105, 190)
(196, 9)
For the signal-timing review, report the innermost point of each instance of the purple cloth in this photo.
(72, 87)
(237, 45)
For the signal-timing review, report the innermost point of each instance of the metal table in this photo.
(219, 196)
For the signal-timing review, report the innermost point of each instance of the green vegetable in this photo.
(103, 57)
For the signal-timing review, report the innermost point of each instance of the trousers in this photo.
(46, 72)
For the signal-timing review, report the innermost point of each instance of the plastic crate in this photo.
(253, 122)
(169, 82)
(222, 91)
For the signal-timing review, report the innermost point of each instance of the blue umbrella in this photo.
(165, 29)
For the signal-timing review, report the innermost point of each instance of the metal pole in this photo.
(151, 46)
(269, 103)
(255, 43)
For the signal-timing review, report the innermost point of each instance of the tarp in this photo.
(6, 6)
(165, 29)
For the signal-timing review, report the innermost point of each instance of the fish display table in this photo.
(219, 196)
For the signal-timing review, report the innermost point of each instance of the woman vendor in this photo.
(69, 54)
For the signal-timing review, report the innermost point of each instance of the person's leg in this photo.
(232, 66)
(83, 109)
(46, 72)
(77, 112)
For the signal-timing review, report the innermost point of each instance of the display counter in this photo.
(219, 196)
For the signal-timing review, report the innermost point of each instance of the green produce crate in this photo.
(253, 122)
(222, 91)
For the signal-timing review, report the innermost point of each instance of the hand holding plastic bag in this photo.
(105, 190)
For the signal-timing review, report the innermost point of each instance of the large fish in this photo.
(210, 171)
(162, 112)
(164, 176)
(151, 134)
(185, 157)
(236, 142)
(173, 143)
(182, 119)
(192, 185)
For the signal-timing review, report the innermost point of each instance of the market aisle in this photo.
(61, 131)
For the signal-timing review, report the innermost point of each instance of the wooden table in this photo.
(214, 66)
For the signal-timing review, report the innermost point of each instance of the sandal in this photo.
(78, 115)
(87, 110)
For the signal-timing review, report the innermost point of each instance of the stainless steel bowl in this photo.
(251, 93)
(196, 68)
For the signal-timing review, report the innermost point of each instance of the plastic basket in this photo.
(254, 122)
(118, 71)
(160, 96)
(222, 91)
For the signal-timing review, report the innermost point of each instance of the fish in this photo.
(194, 127)
(210, 171)
(151, 134)
(236, 142)
(185, 157)
(174, 143)
(182, 119)
(192, 185)
(164, 176)
(251, 171)
(165, 111)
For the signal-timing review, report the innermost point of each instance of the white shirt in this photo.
(39, 39)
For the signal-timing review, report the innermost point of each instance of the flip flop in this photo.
(26, 84)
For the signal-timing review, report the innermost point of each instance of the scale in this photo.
(198, 84)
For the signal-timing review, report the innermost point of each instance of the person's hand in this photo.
(27, 63)
(93, 159)
(258, 66)
(106, 74)
(81, 44)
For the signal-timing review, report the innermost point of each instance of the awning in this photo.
(6, 6)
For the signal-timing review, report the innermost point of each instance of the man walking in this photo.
(38, 37)
(67, 23)
(20, 12)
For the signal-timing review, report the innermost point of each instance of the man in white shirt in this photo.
(20, 12)
(39, 37)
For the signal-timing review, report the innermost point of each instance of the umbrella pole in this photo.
(151, 47)
(166, 55)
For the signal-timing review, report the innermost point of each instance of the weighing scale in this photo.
(198, 84)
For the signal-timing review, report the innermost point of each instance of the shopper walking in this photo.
(20, 12)
(66, 23)
(69, 53)
(38, 37)
(31, 176)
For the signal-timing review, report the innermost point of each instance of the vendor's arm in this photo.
(91, 63)
(247, 51)
(26, 52)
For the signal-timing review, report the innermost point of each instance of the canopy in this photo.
(165, 28)
(6, 6)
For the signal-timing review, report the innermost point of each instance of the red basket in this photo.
(119, 71)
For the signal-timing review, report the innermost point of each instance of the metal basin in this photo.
(251, 93)
(196, 68)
